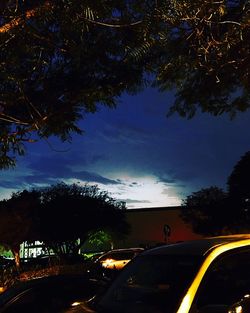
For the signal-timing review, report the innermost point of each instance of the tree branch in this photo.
(7, 118)
(20, 20)
(113, 25)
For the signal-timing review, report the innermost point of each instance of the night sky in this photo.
(137, 154)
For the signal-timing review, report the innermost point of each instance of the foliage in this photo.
(238, 182)
(201, 50)
(98, 241)
(239, 189)
(206, 210)
(5, 252)
(211, 211)
(61, 216)
(69, 212)
(60, 60)
(16, 220)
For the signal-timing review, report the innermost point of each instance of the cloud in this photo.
(134, 184)
(48, 171)
(93, 177)
(166, 180)
(115, 135)
(6, 184)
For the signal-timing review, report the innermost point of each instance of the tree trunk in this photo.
(17, 257)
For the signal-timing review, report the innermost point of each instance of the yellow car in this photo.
(202, 276)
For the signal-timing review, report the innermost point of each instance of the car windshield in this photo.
(151, 283)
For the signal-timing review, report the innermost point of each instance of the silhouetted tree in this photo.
(17, 220)
(211, 211)
(239, 187)
(206, 211)
(68, 213)
(61, 59)
(61, 216)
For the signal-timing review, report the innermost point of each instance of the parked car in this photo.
(118, 258)
(201, 276)
(55, 294)
(110, 263)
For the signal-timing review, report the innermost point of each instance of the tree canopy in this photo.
(239, 180)
(204, 49)
(71, 212)
(213, 211)
(17, 220)
(62, 59)
(59, 61)
(61, 216)
(206, 210)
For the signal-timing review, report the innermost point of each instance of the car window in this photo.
(150, 283)
(227, 280)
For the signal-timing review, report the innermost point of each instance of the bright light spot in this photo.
(107, 262)
(2, 289)
(139, 191)
(75, 303)
(144, 192)
(238, 309)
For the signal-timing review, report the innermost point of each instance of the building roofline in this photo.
(169, 208)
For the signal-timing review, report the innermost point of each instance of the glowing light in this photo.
(114, 264)
(238, 309)
(146, 191)
(2, 289)
(107, 262)
(75, 303)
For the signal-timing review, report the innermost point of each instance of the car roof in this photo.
(125, 250)
(122, 250)
(198, 247)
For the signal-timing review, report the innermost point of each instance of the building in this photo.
(152, 226)
(31, 249)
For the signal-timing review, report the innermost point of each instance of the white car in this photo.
(118, 258)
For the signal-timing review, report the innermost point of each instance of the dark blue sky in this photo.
(138, 154)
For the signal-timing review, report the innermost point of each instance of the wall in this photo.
(147, 226)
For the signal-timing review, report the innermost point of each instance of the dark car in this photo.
(55, 294)
(201, 276)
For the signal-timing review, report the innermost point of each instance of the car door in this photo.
(226, 280)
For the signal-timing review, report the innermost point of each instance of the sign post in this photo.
(167, 232)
